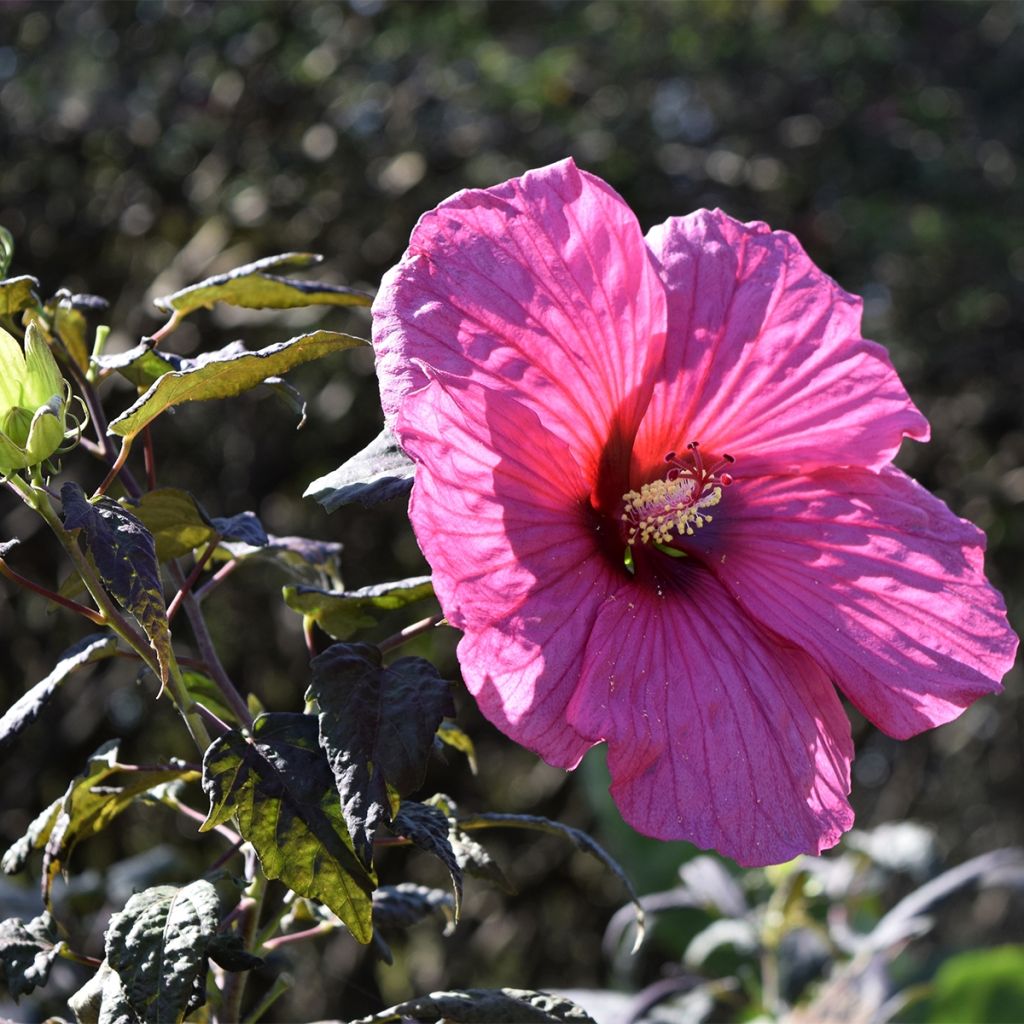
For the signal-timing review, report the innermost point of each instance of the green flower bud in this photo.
(34, 401)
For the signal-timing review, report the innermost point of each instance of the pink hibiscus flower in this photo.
(654, 485)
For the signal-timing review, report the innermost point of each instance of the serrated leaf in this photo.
(252, 287)
(103, 1000)
(27, 707)
(124, 553)
(484, 1006)
(18, 293)
(27, 952)
(279, 788)
(342, 613)
(428, 828)
(224, 376)
(377, 728)
(92, 801)
(158, 947)
(578, 838)
(451, 735)
(35, 838)
(379, 472)
(176, 520)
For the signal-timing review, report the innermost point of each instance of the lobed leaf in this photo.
(377, 728)
(251, 287)
(278, 786)
(427, 827)
(379, 472)
(158, 947)
(18, 293)
(342, 613)
(484, 1006)
(28, 706)
(27, 952)
(124, 553)
(226, 374)
(176, 520)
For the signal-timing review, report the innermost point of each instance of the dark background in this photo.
(146, 145)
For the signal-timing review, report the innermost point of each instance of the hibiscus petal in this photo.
(874, 578)
(542, 287)
(500, 510)
(716, 733)
(764, 357)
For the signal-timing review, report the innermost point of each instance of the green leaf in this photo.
(224, 376)
(278, 786)
(18, 293)
(27, 952)
(6, 250)
(91, 802)
(428, 828)
(26, 709)
(71, 327)
(484, 1006)
(158, 947)
(379, 472)
(176, 520)
(452, 736)
(980, 985)
(203, 690)
(250, 286)
(125, 556)
(377, 728)
(141, 365)
(342, 613)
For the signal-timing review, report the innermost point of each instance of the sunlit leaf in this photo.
(377, 728)
(252, 287)
(342, 613)
(452, 736)
(158, 947)
(484, 1006)
(27, 707)
(6, 250)
(103, 1000)
(141, 365)
(18, 293)
(279, 788)
(379, 472)
(224, 376)
(27, 952)
(70, 326)
(125, 556)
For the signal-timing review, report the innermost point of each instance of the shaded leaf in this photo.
(203, 690)
(252, 287)
(342, 613)
(227, 375)
(398, 906)
(158, 947)
(427, 828)
(27, 952)
(279, 788)
(18, 293)
(980, 985)
(379, 472)
(377, 728)
(124, 553)
(475, 860)
(484, 1006)
(35, 838)
(28, 706)
(92, 801)
(228, 951)
(242, 528)
(176, 520)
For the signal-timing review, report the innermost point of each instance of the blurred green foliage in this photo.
(146, 145)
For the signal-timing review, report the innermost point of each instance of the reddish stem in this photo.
(190, 582)
(50, 595)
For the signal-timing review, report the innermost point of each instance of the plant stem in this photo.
(157, 336)
(115, 469)
(282, 983)
(403, 636)
(207, 651)
(216, 579)
(234, 985)
(186, 587)
(50, 595)
(324, 928)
